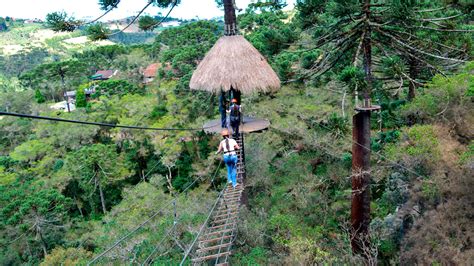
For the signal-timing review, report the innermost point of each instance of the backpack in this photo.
(234, 113)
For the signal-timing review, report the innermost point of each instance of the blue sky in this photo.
(203, 9)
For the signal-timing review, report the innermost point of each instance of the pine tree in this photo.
(347, 30)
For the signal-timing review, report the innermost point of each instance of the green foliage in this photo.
(353, 78)
(36, 214)
(147, 23)
(68, 257)
(53, 77)
(267, 31)
(95, 167)
(283, 64)
(39, 96)
(108, 4)
(158, 111)
(117, 87)
(187, 45)
(59, 21)
(3, 24)
(32, 150)
(17, 64)
(468, 156)
(97, 32)
(81, 98)
(418, 147)
(446, 96)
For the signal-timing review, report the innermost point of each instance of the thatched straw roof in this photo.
(233, 61)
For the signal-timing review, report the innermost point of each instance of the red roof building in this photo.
(150, 72)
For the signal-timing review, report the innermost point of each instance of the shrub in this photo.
(39, 96)
(81, 98)
(418, 147)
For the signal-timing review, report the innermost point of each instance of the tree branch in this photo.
(134, 19)
(415, 49)
(440, 19)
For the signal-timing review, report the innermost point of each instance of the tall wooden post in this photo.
(230, 19)
(360, 210)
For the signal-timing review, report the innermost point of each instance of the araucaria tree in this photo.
(95, 167)
(394, 34)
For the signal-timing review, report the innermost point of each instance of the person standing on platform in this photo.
(229, 146)
(222, 110)
(235, 117)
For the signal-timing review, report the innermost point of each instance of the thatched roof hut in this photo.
(234, 62)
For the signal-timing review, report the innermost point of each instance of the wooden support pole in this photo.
(360, 210)
(230, 19)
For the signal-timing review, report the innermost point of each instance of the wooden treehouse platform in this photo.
(249, 125)
(215, 244)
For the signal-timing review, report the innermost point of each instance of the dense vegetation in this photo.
(69, 191)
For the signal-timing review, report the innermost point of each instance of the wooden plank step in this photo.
(229, 225)
(224, 220)
(225, 214)
(214, 256)
(214, 247)
(228, 204)
(228, 209)
(214, 239)
(220, 232)
(232, 193)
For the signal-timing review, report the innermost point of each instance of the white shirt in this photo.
(232, 144)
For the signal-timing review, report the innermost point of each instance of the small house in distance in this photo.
(150, 73)
(71, 95)
(104, 74)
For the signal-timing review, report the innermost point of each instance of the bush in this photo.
(447, 99)
(117, 87)
(39, 96)
(418, 147)
(81, 98)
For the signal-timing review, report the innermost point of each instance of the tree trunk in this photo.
(43, 243)
(102, 198)
(413, 72)
(360, 209)
(78, 206)
(230, 18)
(64, 89)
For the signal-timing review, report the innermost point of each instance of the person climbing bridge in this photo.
(229, 146)
(235, 116)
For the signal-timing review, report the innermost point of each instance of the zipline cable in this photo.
(99, 123)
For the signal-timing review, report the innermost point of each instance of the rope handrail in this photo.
(202, 227)
(149, 259)
(138, 227)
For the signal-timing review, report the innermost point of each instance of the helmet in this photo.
(225, 132)
(234, 100)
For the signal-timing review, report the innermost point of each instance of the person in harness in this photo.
(235, 115)
(229, 146)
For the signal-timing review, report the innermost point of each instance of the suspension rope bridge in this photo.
(216, 237)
